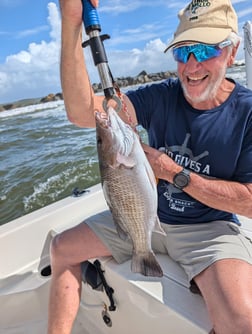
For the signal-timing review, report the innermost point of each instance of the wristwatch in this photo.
(182, 179)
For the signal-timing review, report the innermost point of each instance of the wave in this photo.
(32, 108)
(62, 184)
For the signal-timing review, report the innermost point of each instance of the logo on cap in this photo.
(193, 7)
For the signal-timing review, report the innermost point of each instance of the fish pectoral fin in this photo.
(105, 193)
(118, 224)
(128, 162)
(158, 227)
(151, 177)
(122, 234)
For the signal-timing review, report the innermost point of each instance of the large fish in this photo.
(129, 188)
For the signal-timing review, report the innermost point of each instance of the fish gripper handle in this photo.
(93, 28)
(90, 17)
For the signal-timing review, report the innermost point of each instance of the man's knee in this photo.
(57, 247)
(243, 322)
(239, 321)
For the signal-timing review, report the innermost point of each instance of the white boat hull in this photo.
(164, 305)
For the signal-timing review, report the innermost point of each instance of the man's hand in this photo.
(163, 166)
(95, 3)
(71, 10)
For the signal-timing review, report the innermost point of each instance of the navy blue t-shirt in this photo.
(215, 143)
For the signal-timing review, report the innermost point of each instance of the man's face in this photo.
(204, 83)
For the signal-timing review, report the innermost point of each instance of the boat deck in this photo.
(165, 305)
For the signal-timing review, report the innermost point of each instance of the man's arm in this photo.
(80, 100)
(223, 195)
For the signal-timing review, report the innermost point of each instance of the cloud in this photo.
(130, 63)
(30, 32)
(244, 13)
(54, 21)
(33, 72)
(151, 59)
(117, 7)
(8, 3)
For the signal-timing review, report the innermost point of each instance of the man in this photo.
(200, 130)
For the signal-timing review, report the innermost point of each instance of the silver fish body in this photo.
(129, 188)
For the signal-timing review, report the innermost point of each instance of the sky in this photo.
(139, 31)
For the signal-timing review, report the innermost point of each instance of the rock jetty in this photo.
(142, 78)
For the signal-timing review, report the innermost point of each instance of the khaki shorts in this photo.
(194, 246)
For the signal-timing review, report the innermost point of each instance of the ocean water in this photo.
(43, 157)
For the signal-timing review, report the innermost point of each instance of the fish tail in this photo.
(146, 264)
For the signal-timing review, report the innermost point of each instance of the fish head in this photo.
(104, 139)
(115, 139)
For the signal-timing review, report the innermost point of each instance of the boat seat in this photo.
(168, 295)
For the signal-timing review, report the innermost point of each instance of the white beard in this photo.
(210, 92)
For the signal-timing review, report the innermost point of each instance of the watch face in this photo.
(181, 180)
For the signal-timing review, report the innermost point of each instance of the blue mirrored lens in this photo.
(201, 52)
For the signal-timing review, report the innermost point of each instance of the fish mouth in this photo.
(103, 119)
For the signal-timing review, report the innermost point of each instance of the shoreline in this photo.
(142, 78)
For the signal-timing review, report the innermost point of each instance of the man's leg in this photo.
(227, 290)
(68, 250)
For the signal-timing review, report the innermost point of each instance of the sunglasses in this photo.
(200, 51)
